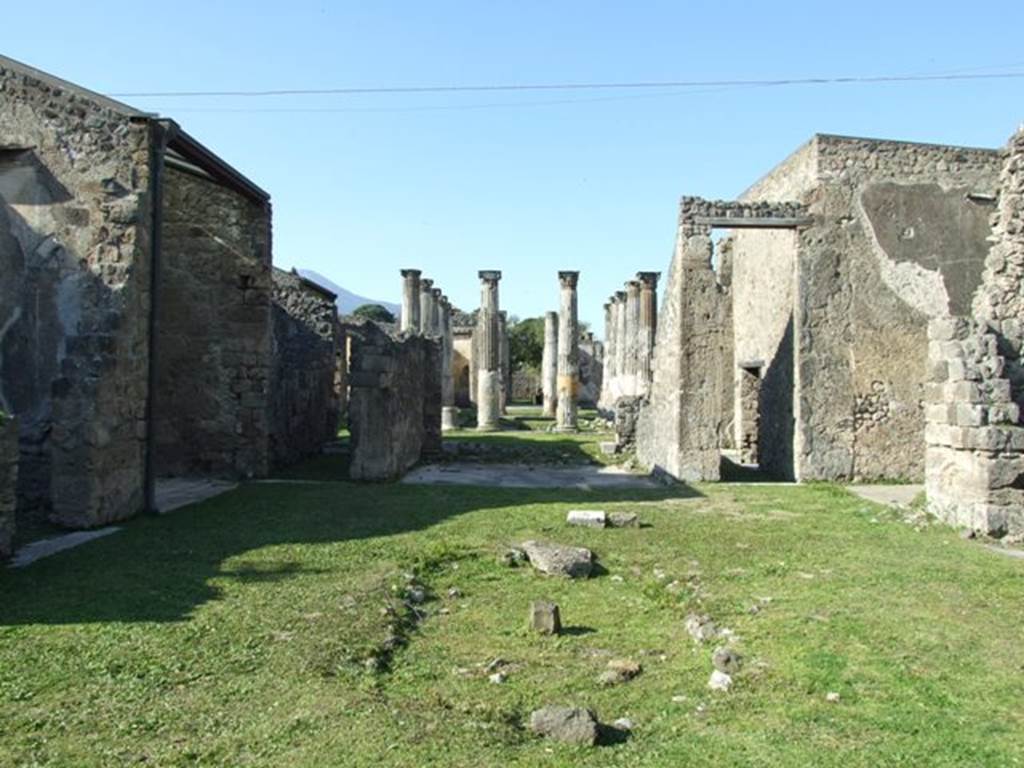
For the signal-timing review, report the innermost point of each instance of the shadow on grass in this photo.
(161, 569)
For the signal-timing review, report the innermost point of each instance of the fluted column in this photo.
(410, 320)
(568, 353)
(435, 311)
(648, 329)
(449, 413)
(488, 353)
(549, 364)
(621, 344)
(632, 334)
(426, 298)
(606, 366)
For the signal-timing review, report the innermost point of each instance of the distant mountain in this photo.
(347, 301)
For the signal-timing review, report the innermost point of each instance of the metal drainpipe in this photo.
(162, 132)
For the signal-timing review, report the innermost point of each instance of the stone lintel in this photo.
(752, 222)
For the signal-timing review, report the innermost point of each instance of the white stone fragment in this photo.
(720, 681)
(591, 518)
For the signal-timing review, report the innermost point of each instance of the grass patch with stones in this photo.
(236, 632)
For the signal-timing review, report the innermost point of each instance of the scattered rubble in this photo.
(558, 560)
(569, 725)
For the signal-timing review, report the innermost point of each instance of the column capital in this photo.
(437, 292)
(568, 279)
(648, 279)
(411, 272)
(620, 296)
(503, 314)
(425, 285)
(490, 275)
(632, 286)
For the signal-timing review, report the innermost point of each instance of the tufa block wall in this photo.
(394, 402)
(211, 411)
(74, 299)
(304, 401)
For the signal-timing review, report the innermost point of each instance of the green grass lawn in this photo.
(237, 632)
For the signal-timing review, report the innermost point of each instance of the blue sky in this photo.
(529, 183)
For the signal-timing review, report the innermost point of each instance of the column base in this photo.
(449, 418)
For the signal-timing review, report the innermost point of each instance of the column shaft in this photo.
(549, 363)
(568, 354)
(488, 363)
(410, 320)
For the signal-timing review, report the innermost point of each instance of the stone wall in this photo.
(213, 340)
(975, 442)
(395, 401)
(303, 399)
(837, 312)
(74, 296)
(8, 481)
(975, 445)
(868, 280)
(678, 431)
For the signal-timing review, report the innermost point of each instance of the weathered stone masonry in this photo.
(8, 481)
(395, 403)
(975, 442)
(829, 300)
(75, 224)
(213, 327)
(305, 406)
(135, 329)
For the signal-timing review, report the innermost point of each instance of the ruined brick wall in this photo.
(8, 481)
(395, 401)
(211, 407)
(679, 427)
(74, 261)
(303, 399)
(975, 441)
(975, 444)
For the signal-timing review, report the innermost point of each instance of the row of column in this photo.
(426, 311)
(631, 326)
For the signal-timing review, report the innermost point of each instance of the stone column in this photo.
(648, 329)
(568, 354)
(449, 413)
(632, 336)
(606, 362)
(410, 320)
(488, 357)
(426, 297)
(503, 363)
(435, 312)
(621, 344)
(549, 364)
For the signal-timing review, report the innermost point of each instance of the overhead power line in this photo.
(406, 89)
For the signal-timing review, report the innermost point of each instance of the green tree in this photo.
(374, 312)
(526, 343)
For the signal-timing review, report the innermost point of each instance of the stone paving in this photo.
(528, 476)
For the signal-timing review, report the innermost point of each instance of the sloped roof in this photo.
(184, 149)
